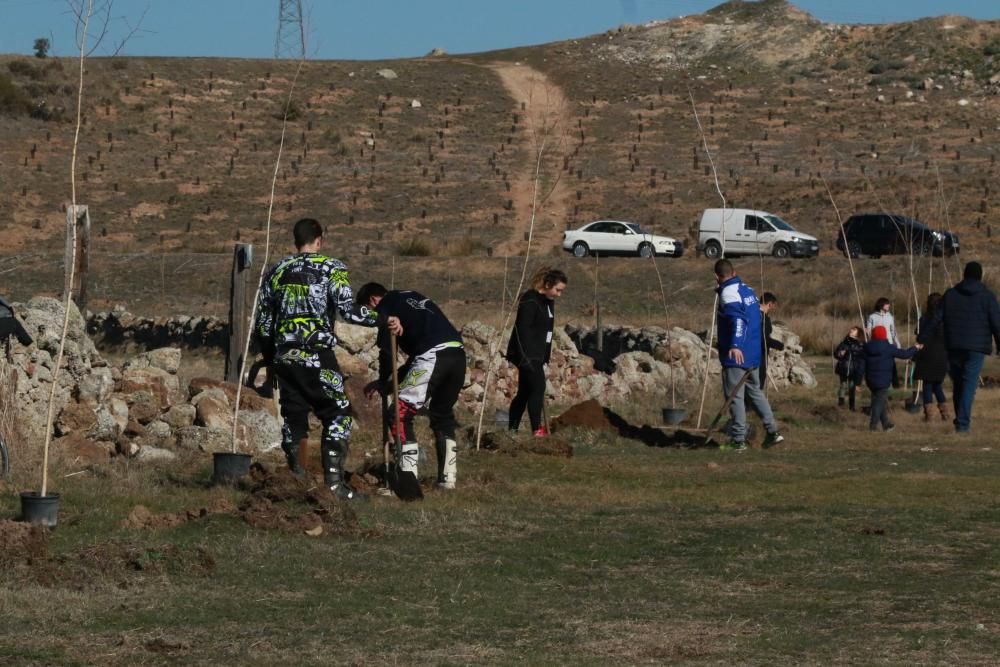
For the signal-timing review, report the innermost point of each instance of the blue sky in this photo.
(372, 29)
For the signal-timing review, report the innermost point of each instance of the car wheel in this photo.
(646, 250)
(781, 250)
(853, 250)
(713, 250)
(927, 248)
(580, 249)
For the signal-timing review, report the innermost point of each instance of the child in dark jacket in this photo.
(879, 362)
(850, 356)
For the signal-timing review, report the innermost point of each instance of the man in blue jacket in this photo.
(740, 349)
(971, 327)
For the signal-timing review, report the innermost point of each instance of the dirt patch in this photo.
(24, 555)
(276, 500)
(547, 119)
(141, 517)
(593, 416)
(507, 442)
(22, 543)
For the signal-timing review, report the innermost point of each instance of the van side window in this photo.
(751, 223)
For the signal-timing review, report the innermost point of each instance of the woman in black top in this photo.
(531, 344)
(932, 360)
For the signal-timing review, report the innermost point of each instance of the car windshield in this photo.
(779, 223)
(636, 228)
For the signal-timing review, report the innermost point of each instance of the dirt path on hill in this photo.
(546, 117)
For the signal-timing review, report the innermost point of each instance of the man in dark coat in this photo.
(971, 319)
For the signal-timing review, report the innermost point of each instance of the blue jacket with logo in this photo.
(739, 323)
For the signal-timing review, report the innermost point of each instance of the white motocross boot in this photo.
(447, 453)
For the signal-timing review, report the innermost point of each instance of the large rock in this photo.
(212, 410)
(260, 430)
(249, 399)
(95, 388)
(165, 358)
(162, 385)
(34, 366)
(199, 438)
(79, 450)
(180, 415)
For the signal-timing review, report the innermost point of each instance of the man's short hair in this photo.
(768, 297)
(306, 231)
(724, 268)
(368, 290)
(973, 271)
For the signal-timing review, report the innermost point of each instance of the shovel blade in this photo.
(406, 486)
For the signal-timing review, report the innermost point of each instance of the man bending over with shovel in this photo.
(431, 378)
(298, 301)
(740, 349)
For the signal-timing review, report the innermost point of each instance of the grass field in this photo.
(837, 547)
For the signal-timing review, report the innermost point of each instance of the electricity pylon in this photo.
(291, 40)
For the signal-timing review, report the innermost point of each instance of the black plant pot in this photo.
(672, 416)
(229, 467)
(43, 510)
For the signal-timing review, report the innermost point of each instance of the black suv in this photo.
(877, 234)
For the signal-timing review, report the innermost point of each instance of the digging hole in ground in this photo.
(593, 416)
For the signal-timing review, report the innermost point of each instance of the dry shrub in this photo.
(22, 457)
(413, 248)
(465, 247)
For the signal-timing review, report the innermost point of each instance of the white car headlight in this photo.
(796, 239)
(938, 235)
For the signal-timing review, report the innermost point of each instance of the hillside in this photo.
(177, 154)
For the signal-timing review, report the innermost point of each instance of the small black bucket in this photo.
(36, 508)
(672, 416)
(229, 467)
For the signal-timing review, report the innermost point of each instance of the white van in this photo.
(744, 231)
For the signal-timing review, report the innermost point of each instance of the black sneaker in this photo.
(773, 438)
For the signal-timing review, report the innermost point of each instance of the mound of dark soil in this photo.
(278, 500)
(591, 415)
(514, 443)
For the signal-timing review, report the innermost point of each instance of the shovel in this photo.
(725, 406)
(404, 484)
(385, 489)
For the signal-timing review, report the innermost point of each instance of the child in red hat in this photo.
(879, 361)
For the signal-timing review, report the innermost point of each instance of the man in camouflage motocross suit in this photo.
(294, 327)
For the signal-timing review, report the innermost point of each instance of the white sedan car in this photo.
(610, 237)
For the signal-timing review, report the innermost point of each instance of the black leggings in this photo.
(530, 394)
